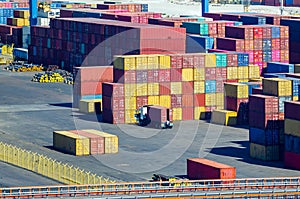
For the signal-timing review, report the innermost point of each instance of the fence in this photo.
(48, 167)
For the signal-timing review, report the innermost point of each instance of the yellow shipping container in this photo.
(24, 14)
(141, 62)
(210, 99)
(125, 62)
(165, 100)
(266, 153)
(243, 80)
(153, 100)
(26, 22)
(292, 127)
(18, 22)
(199, 87)
(153, 88)
(142, 89)
(210, 60)
(295, 98)
(277, 87)
(224, 117)
(236, 90)
(176, 88)
(130, 90)
(232, 73)
(198, 111)
(243, 72)
(71, 143)
(177, 114)
(255, 80)
(90, 106)
(220, 99)
(187, 74)
(199, 74)
(254, 72)
(111, 142)
(153, 62)
(129, 116)
(130, 103)
(220, 107)
(164, 62)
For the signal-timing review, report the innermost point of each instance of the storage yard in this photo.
(132, 92)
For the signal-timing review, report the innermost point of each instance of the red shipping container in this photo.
(199, 60)
(276, 44)
(257, 44)
(113, 89)
(233, 104)
(292, 110)
(96, 141)
(97, 73)
(176, 61)
(165, 88)
(187, 100)
(198, 169)
(153, 76)
(157, 114)
(249, 45)
(88, 88)
(176, 101)
(188, 61)
(122, 76)
(284, 32)
(199, 100)
(232, 59)
(113, 117)
(210, 73)
(187, 87)
(267, 32)
(176, 75)
(284, 44)
(113, 103)
(221, 74)
(141, 101)
(291, 160)
(257, 33)
(164, 75)
(263, 104)
(188, 113)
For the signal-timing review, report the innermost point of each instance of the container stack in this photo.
(85, 142)
(20, 18)
(236, 99)
(7, 9)
(60, 48)
(190, 84)
(264, 128)
(292, 135)
(88, 83)
(264, 43)
(128, 7)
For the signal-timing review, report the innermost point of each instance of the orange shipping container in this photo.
(199, 168)
(96, 142)
(94, 73)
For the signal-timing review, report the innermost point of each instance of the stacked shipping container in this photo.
(292, 135)
(69, 41)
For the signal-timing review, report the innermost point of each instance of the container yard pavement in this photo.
(30, 112)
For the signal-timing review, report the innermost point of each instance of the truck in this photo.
(154, 116)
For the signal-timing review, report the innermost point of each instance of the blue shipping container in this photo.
(198, 44)
(243, 59)
(278, 67)
(295, 84)
(275, 32)
(88, 97)
(267, 137)
(253, 20)
(292, 144)
(21, 53)
(210, 86)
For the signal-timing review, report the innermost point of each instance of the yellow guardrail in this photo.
(43, 165)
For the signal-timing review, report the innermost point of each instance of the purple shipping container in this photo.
(292, 110)
(263, 104)
(239, 32)
(230, 44)
(157, 113)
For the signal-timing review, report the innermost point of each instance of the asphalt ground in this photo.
(30, 112)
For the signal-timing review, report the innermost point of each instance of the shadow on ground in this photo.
(242, 153)
(67, 105)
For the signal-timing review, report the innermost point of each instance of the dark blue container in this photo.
(293, 24)
(295, 84)
(298, 92)
(278, 67)
(198, 44)
(144, 7)
(267, 137)
(292, 143)
(274, 75)
(253, 20)
(294, 36)
(210, 86)
(243, 59)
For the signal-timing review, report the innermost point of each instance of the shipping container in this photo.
(291, 160)
(277, 87)
(266, 137)
(199, 169)
(90, 106)
(111, 142)
(224, 117)
(71, 143)
(236, 90)
(266, 153)
(96, 142)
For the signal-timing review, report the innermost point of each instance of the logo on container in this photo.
(177, 83)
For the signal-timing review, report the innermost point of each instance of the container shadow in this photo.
(67, 105)
(90, 117)
(50, 147)
(243, 154)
